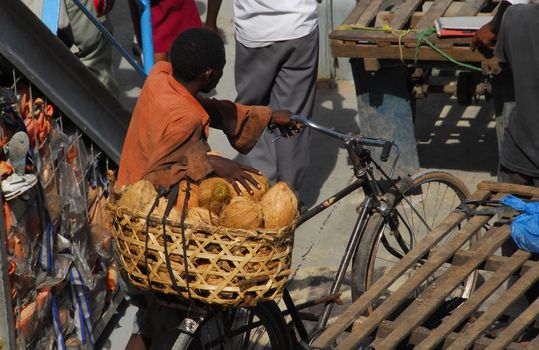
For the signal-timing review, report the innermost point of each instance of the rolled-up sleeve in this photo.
(243, 125)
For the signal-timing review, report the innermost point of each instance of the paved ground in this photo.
(460, 140)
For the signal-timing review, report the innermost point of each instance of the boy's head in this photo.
(198, 54)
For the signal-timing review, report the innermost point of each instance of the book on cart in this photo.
(460, 26)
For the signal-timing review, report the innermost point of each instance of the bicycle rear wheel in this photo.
(256, 328)
(434, 195)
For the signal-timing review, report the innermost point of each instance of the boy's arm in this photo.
(243, 125)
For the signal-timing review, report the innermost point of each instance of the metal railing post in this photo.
(146, 34)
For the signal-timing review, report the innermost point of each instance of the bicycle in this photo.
(384, 231)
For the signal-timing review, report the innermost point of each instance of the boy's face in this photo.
(213, 80)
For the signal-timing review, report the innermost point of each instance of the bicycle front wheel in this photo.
(433, 196)
(257, 328)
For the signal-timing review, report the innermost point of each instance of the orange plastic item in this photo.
(112, 277)
(39, 127)
(27, 323)
(11, 274)
(5, 169)
(8, 217)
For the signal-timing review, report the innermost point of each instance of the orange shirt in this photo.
(166, 139)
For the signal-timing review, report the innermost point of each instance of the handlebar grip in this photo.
(386, 151)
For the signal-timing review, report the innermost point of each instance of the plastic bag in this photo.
(525, 227)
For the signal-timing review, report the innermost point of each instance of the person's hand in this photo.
(234, 172)
(282, 120)
(484, 37)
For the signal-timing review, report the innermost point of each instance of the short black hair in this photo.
(196, 50)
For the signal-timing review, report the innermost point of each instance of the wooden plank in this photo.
(516, 327)
(494, 263)
(417, 252)
(520, 190)
(468, 337)
(385, 17)
(421, 333)
(472, 304)
(471, 8)
(370, 12)
(352, 18)
(430, 299)
(404, 13)
(427, 269)
(463, 54)
(435, 11)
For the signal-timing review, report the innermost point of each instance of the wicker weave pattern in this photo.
(229, 267)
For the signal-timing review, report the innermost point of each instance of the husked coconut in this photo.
(257, 193)
(193, 196)
(138, 195)
(214, 193)
(241, 213)
(279, 206)
(199, 215)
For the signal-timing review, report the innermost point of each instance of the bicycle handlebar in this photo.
(348, 137)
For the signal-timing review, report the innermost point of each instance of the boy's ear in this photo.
(207, 73)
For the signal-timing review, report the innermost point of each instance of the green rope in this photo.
(422, 38)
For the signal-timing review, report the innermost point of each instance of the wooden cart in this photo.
(458, 330)
(411, 14)
(386, 88)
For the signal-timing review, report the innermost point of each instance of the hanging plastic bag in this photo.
(525, 227)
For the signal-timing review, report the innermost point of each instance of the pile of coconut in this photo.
(215, 202)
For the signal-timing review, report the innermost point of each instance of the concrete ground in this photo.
(461, 140)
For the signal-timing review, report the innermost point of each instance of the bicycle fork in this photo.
(351, 248)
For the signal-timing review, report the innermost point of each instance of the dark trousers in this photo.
(282, 76)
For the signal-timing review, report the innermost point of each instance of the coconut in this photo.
(138, 195)
(159, 211)
(241, 213)
(214, 193)
(279, 206)
(199, 216)
(193, 196)
(257, 193)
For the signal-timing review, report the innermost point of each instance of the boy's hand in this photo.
(234, 172)
(282, 119)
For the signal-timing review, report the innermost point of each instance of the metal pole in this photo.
(146, 35)
(7, 330)
(111, 38)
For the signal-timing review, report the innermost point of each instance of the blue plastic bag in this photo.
(525, 227)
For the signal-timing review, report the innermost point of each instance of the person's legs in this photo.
(95, 51)
(255, 71)
(295, 90)
(283, 76)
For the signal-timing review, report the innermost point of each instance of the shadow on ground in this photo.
(455, 137)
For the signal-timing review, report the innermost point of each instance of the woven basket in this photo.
(229, 267)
